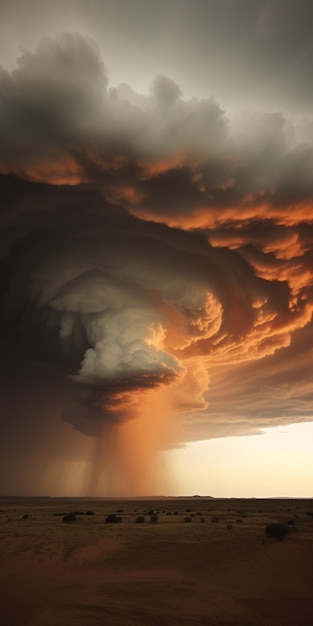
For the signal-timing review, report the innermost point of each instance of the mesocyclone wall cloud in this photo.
(156, 251)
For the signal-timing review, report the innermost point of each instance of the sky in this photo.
(156, 266)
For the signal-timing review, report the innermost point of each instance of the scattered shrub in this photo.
(187, 510)
(154, 518)
(120, 510)
(140, 519)
(277, 531)
(215, 519)
(168, 513)
(69, 517)
(203, 520)
(89, 513)
(187, 520)
(229, 526)
(113, 519)
(239, 521)
(25, 516)
(291, 522)
(175, 513)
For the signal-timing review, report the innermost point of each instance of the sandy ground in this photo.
(90, 573)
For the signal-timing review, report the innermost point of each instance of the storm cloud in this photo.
(156, 250)
(183, 162)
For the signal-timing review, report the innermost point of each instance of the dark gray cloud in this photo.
(244, 52)
(185, 162)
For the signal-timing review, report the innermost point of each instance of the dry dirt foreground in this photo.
(172, 572)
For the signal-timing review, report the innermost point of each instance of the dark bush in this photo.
(113, 519)
(25, 516)
(140, 519)
(168, 513)
(120, 510)
(277, 531)
(215, 519)
(203, 520)
(154, 518)
(89, 513)
(175, 513)
(291, 522)
(187, 510)
(69, 517)
(229, 526)
(187, 520)
(239, 521)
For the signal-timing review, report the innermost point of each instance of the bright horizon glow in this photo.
(278, 463)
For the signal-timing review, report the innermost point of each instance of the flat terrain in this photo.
(220, 568)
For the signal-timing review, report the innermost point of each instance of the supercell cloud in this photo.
(153, 246)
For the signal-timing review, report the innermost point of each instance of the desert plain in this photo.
(204, 561)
